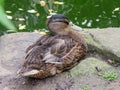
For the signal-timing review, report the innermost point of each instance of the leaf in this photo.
(3, 18)
(1, 2)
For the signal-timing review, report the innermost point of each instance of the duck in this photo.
(60, 50)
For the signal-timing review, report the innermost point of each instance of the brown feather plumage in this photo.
(54, 53)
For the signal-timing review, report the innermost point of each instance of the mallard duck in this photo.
(56, 52)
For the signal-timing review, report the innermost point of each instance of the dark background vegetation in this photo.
(84, 13)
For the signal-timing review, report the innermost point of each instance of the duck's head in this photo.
(60, 24)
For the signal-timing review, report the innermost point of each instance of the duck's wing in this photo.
(68, 53)
(60, 48)
(33, 61)
(77, 53)
(36, 57)
(42, 40)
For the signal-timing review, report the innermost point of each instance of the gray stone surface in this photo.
(12, 52)
(107, 40)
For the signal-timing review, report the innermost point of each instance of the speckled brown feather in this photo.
(71, 53)
(54, 53)
(72, 58)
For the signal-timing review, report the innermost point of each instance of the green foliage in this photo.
(3, 19)
(110, 75)
(84, 13)
(86, 87)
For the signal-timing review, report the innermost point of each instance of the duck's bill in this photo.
(75, 27)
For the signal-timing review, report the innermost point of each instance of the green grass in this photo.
(110, 75)
(86, 87)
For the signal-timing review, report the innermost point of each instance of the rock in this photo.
(88, 67)
(87, 74)
(105, 41)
